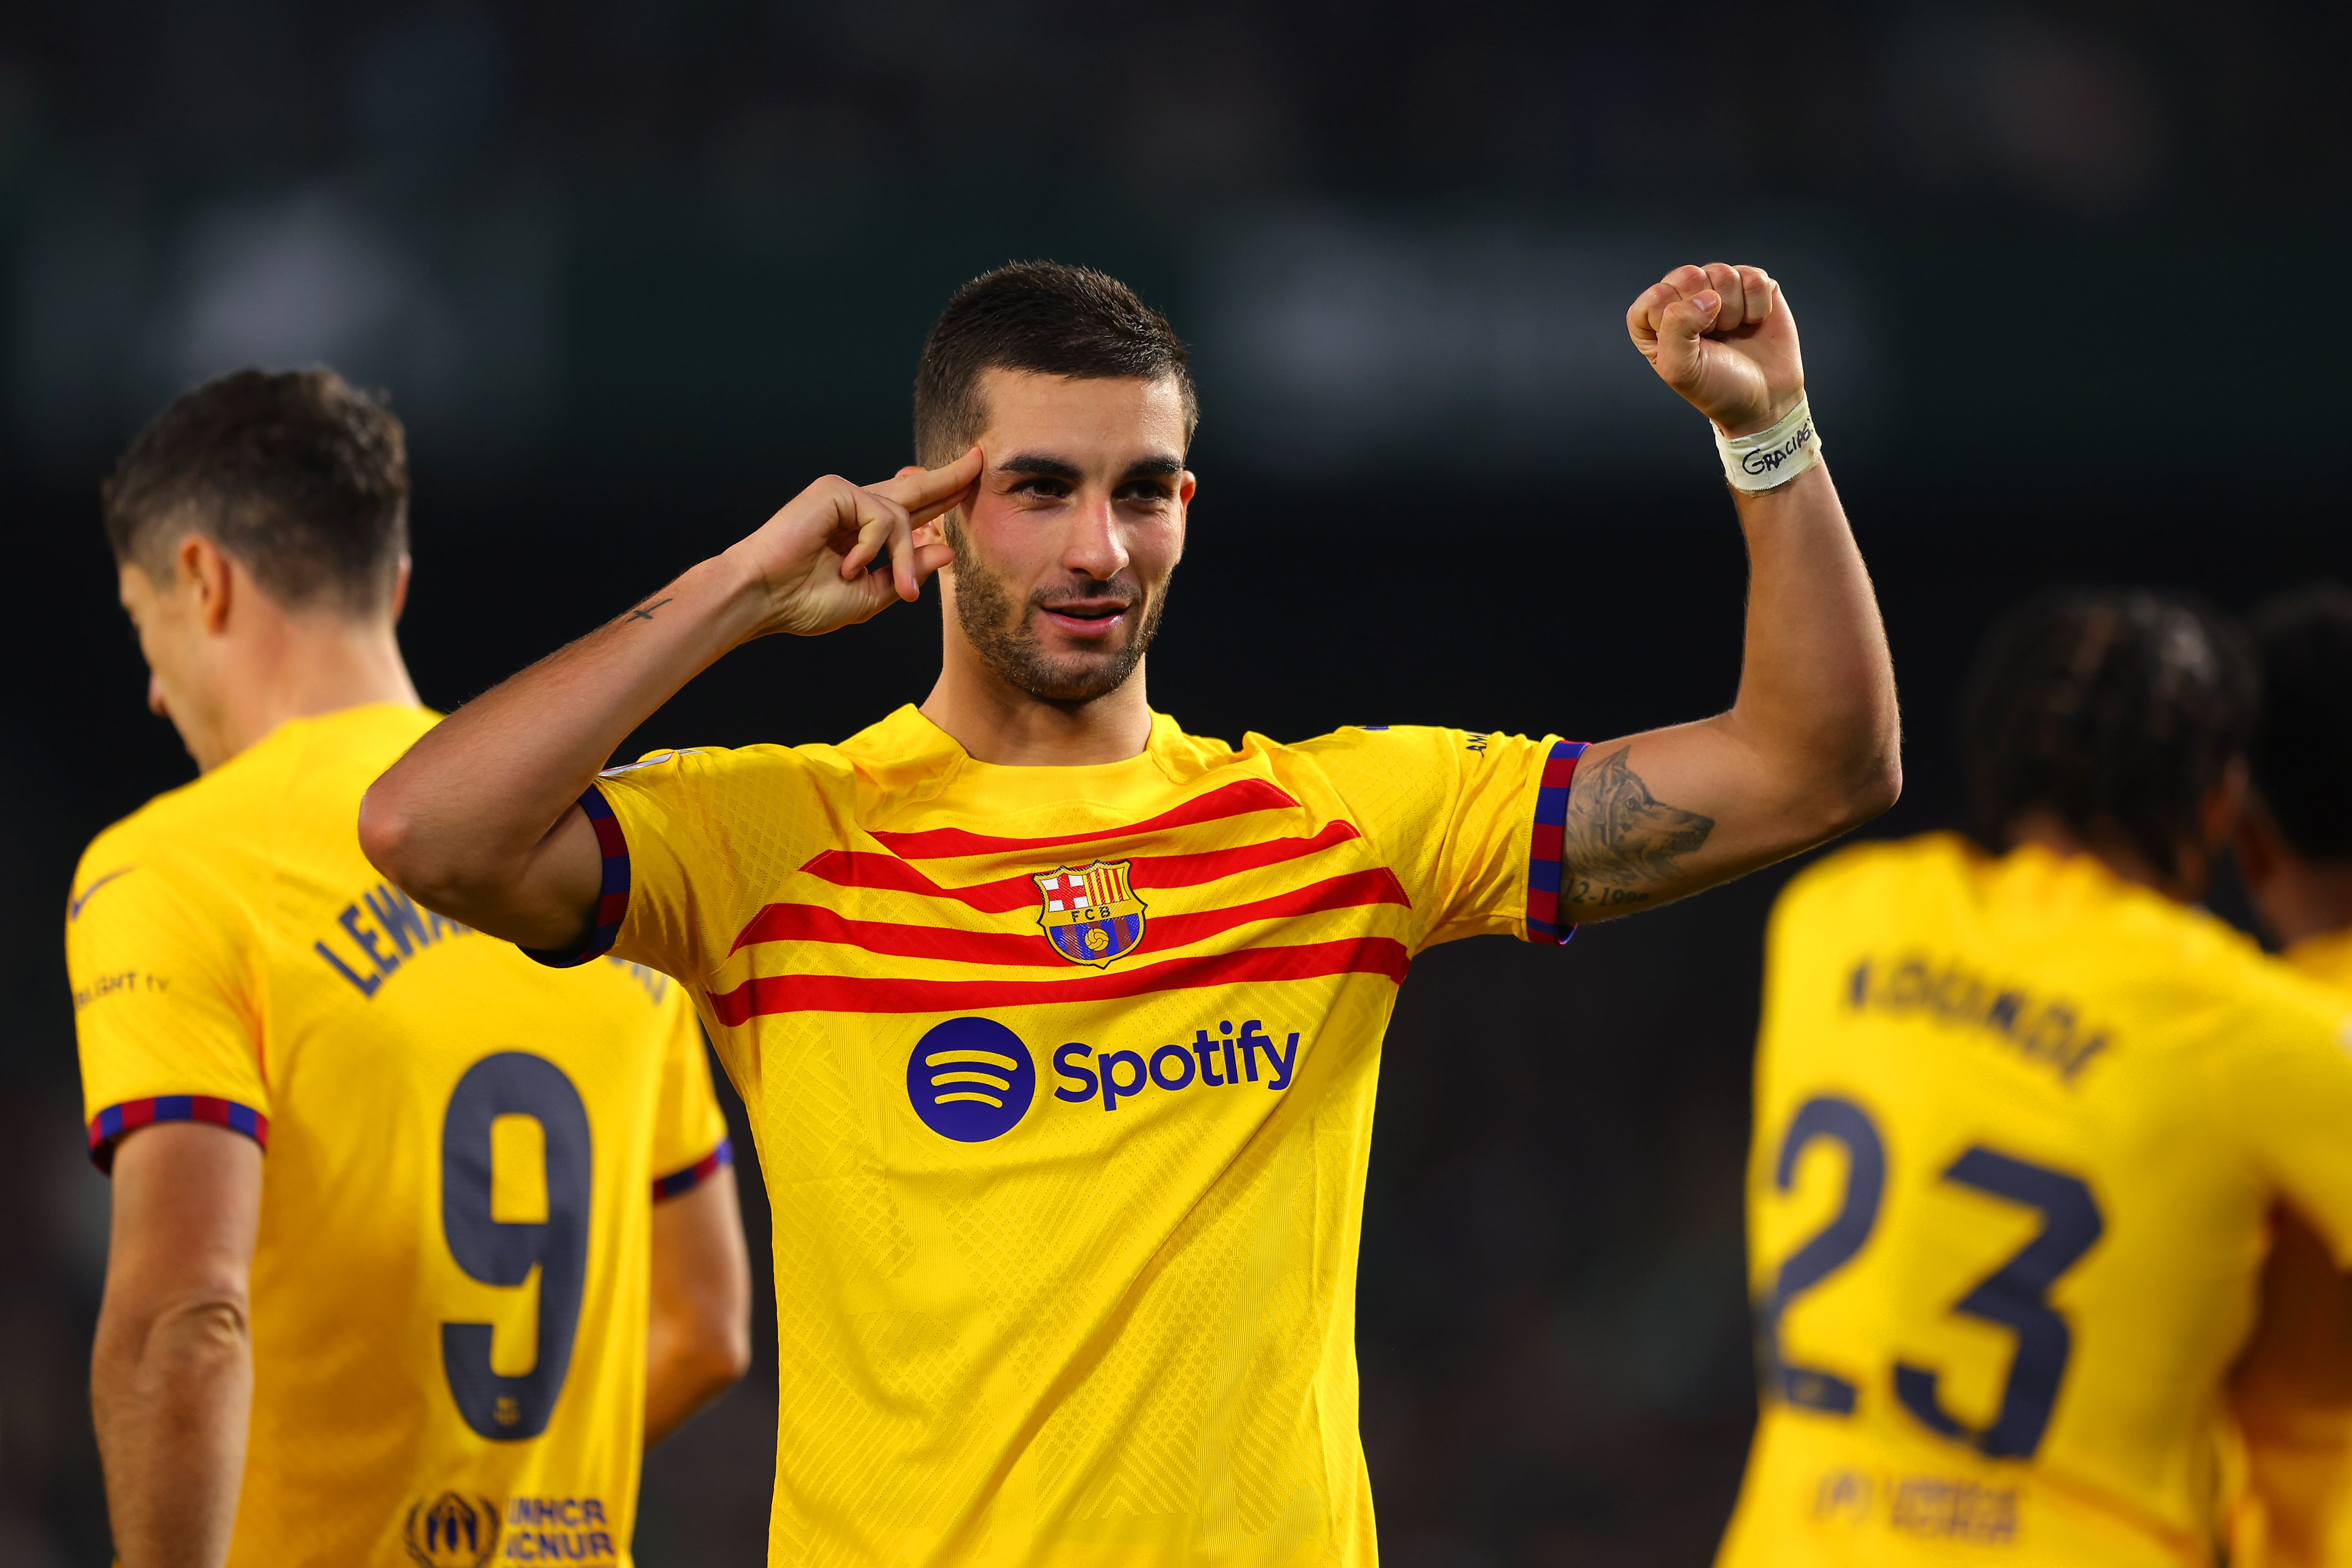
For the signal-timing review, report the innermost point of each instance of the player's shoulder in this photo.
(195, 834)
(903, 743)
(687, 771)
(1396, 753)
(1396, 741)
(1877, 872)
(2242, 975)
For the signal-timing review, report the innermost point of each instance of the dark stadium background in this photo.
(2071, 280)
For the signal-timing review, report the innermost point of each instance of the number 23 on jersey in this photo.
(2010, 1293)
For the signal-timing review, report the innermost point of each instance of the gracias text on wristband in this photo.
(1771, 456)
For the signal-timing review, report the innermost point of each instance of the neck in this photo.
(300, 667)
(996, 721)
(2045, 829)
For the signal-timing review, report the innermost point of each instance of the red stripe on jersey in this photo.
(814, 922)
(846, 994)
(1237, 799)
(864, 869)
(1208, 864)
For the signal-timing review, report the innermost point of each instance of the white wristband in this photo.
(1772, 458)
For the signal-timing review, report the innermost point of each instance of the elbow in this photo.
(177, 1339)
(1873, 791)
(1859, 772)
(397, 846)
(718, 1360)
(727, 1356)
(387, 831)
(1836, 803)
(708, 1351)
(214, 1324)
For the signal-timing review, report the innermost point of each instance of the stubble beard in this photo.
(998, 628)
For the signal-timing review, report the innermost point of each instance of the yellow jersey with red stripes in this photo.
(1061, 1081)
(2019, 1128)
(449, 1288)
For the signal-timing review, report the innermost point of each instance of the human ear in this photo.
(400, 587)
(203, 571)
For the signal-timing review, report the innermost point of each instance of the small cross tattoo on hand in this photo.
(648, 613)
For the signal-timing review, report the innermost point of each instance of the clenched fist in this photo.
(1723, 337)
(838, 553)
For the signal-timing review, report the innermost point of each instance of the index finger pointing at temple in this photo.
(933, 491)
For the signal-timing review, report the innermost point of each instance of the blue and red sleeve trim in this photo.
(677, 1184)
(109, 1126)
(612, 897)
(1544, 845)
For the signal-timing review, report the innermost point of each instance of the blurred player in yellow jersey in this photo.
(2294, 849)
(416, 1243)
(2022, 1115)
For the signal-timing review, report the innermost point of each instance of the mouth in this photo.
(1086, 618)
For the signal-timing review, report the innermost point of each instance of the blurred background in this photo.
(2070, 279)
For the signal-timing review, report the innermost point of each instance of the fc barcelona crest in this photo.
(1090, 914)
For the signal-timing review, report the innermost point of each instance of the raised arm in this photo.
(170, 1374)
(480, 819)
(1811, 748)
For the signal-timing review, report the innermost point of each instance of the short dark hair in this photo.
(300, 478)
(1040, 316)
(2302, 753)
(2117, 710)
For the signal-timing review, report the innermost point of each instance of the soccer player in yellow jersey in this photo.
(2292, 1395)
(493, 1248)
(2022, 1114)
(1060, 1026)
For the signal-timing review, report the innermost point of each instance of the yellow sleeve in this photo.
(684, 835)
(689, 1130)
(1470, 823)
(2286, 1094)
(164, 1011)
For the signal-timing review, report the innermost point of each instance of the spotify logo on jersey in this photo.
(971, 1080)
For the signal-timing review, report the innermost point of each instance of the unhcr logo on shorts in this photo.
(971, 1080)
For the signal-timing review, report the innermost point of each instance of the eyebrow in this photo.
(1160, 465)
(1042, 463)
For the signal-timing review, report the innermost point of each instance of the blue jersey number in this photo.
(2016, 1295)
(504, 1252)
(1840, 1121)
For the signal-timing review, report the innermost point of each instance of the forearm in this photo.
(461, 820)
(1811, 747)
(1816, 703)
(170, 1398)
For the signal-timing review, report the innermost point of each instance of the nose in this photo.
(1095, 546)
